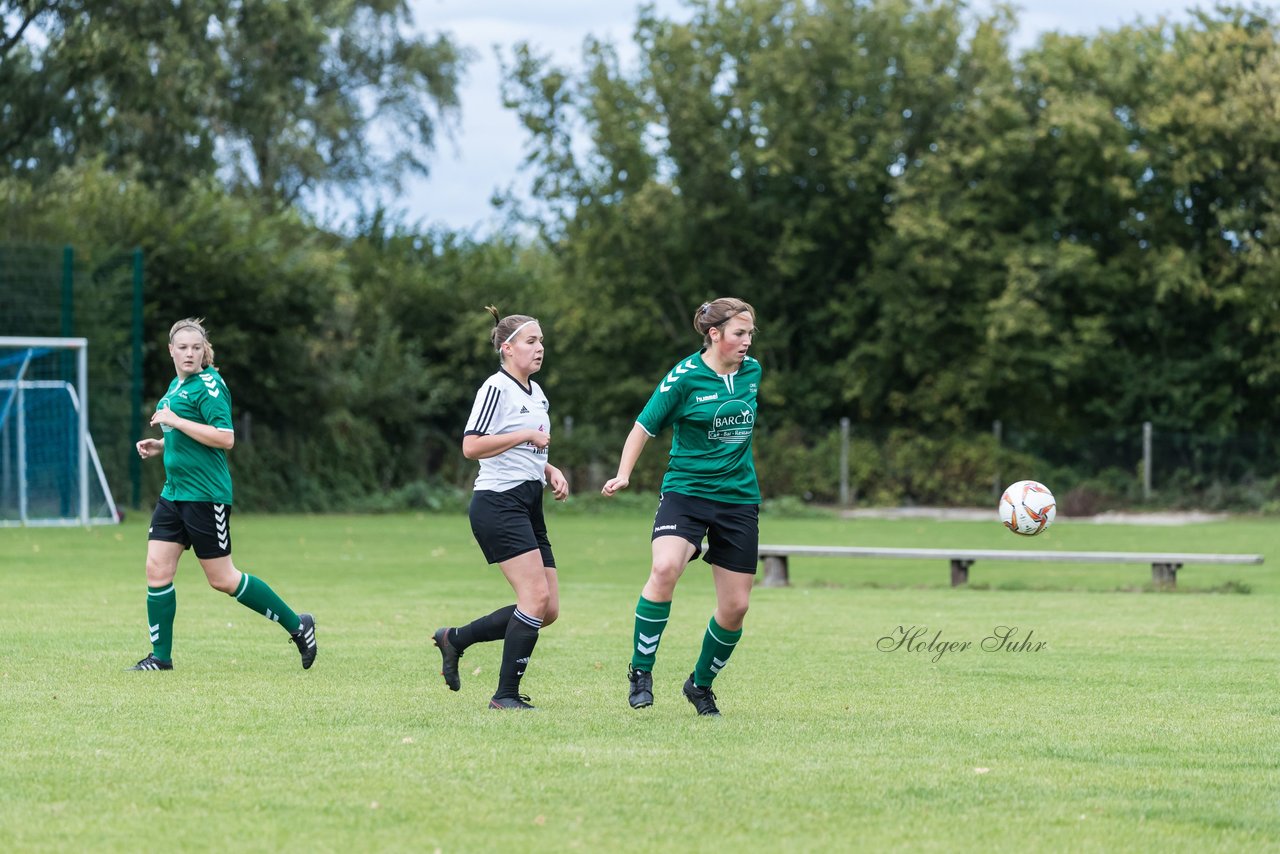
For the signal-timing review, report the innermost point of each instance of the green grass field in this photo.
(1148, 721)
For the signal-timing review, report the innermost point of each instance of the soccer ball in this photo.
(1027, 508)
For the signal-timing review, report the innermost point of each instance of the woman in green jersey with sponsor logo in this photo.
(194, 510)
(709, 400)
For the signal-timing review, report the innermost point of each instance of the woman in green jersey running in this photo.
(194, 510)
(709, 400)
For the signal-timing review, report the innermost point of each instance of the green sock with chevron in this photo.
(717, 646)
(651, 619)
(162, 604)
(256, 595)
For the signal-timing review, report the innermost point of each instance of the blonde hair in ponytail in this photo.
(196, 323)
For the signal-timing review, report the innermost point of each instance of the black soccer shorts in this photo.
(202, 526)
(732, 531)
(508, 524)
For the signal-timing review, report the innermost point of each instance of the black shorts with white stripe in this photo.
(732, 531)
(202, 526)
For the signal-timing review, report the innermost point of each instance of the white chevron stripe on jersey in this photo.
(678, 371)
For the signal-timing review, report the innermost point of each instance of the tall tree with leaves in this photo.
(279, 97)
(307, 82)
(757, 151)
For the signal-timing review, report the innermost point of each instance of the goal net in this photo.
(50, 473)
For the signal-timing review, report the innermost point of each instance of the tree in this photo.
(934, 233)
(308, 81)
(757, 151)
(284, 98)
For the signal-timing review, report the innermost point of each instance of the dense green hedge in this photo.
(317, 472)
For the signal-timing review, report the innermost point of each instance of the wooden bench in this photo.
(1164, 565)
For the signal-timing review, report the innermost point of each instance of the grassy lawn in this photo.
(1144, 721)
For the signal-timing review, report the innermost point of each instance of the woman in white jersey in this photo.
(708, 399)
(509, 431)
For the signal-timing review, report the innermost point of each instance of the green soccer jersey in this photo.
(712, 418)
(196, 472)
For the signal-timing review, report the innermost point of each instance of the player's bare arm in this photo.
(630, 455)
(484, 447)
(148, 448)
(205, 434)
(557, 481)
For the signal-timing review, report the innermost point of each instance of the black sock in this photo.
(490, 627)
(522, 636)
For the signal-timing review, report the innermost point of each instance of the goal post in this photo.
(50, 473)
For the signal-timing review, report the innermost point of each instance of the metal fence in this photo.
(63, 291)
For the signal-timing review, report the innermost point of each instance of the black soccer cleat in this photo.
(518, 702)
(448, 659)
(641, 687)
(151, 663)
(702, 698)
(305, 638)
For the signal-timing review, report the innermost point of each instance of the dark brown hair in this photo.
(505, 326)
(716, 312)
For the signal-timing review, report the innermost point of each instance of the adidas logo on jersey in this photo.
(524, 410)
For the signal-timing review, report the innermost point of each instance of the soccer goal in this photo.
(50, 473)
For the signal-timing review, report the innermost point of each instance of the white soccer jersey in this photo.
(503, 405)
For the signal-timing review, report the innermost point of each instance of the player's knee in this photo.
(225, 582)
(536, 603)
(158, 573)
(549, 615)
(223, 586)
(735, 611)
(664, 574)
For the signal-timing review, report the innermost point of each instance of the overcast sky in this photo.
(487, 150)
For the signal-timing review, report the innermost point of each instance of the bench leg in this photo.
(775, 571)
(1165, 575)
(960, 572)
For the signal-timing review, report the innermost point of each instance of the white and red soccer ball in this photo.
(1027, 507)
